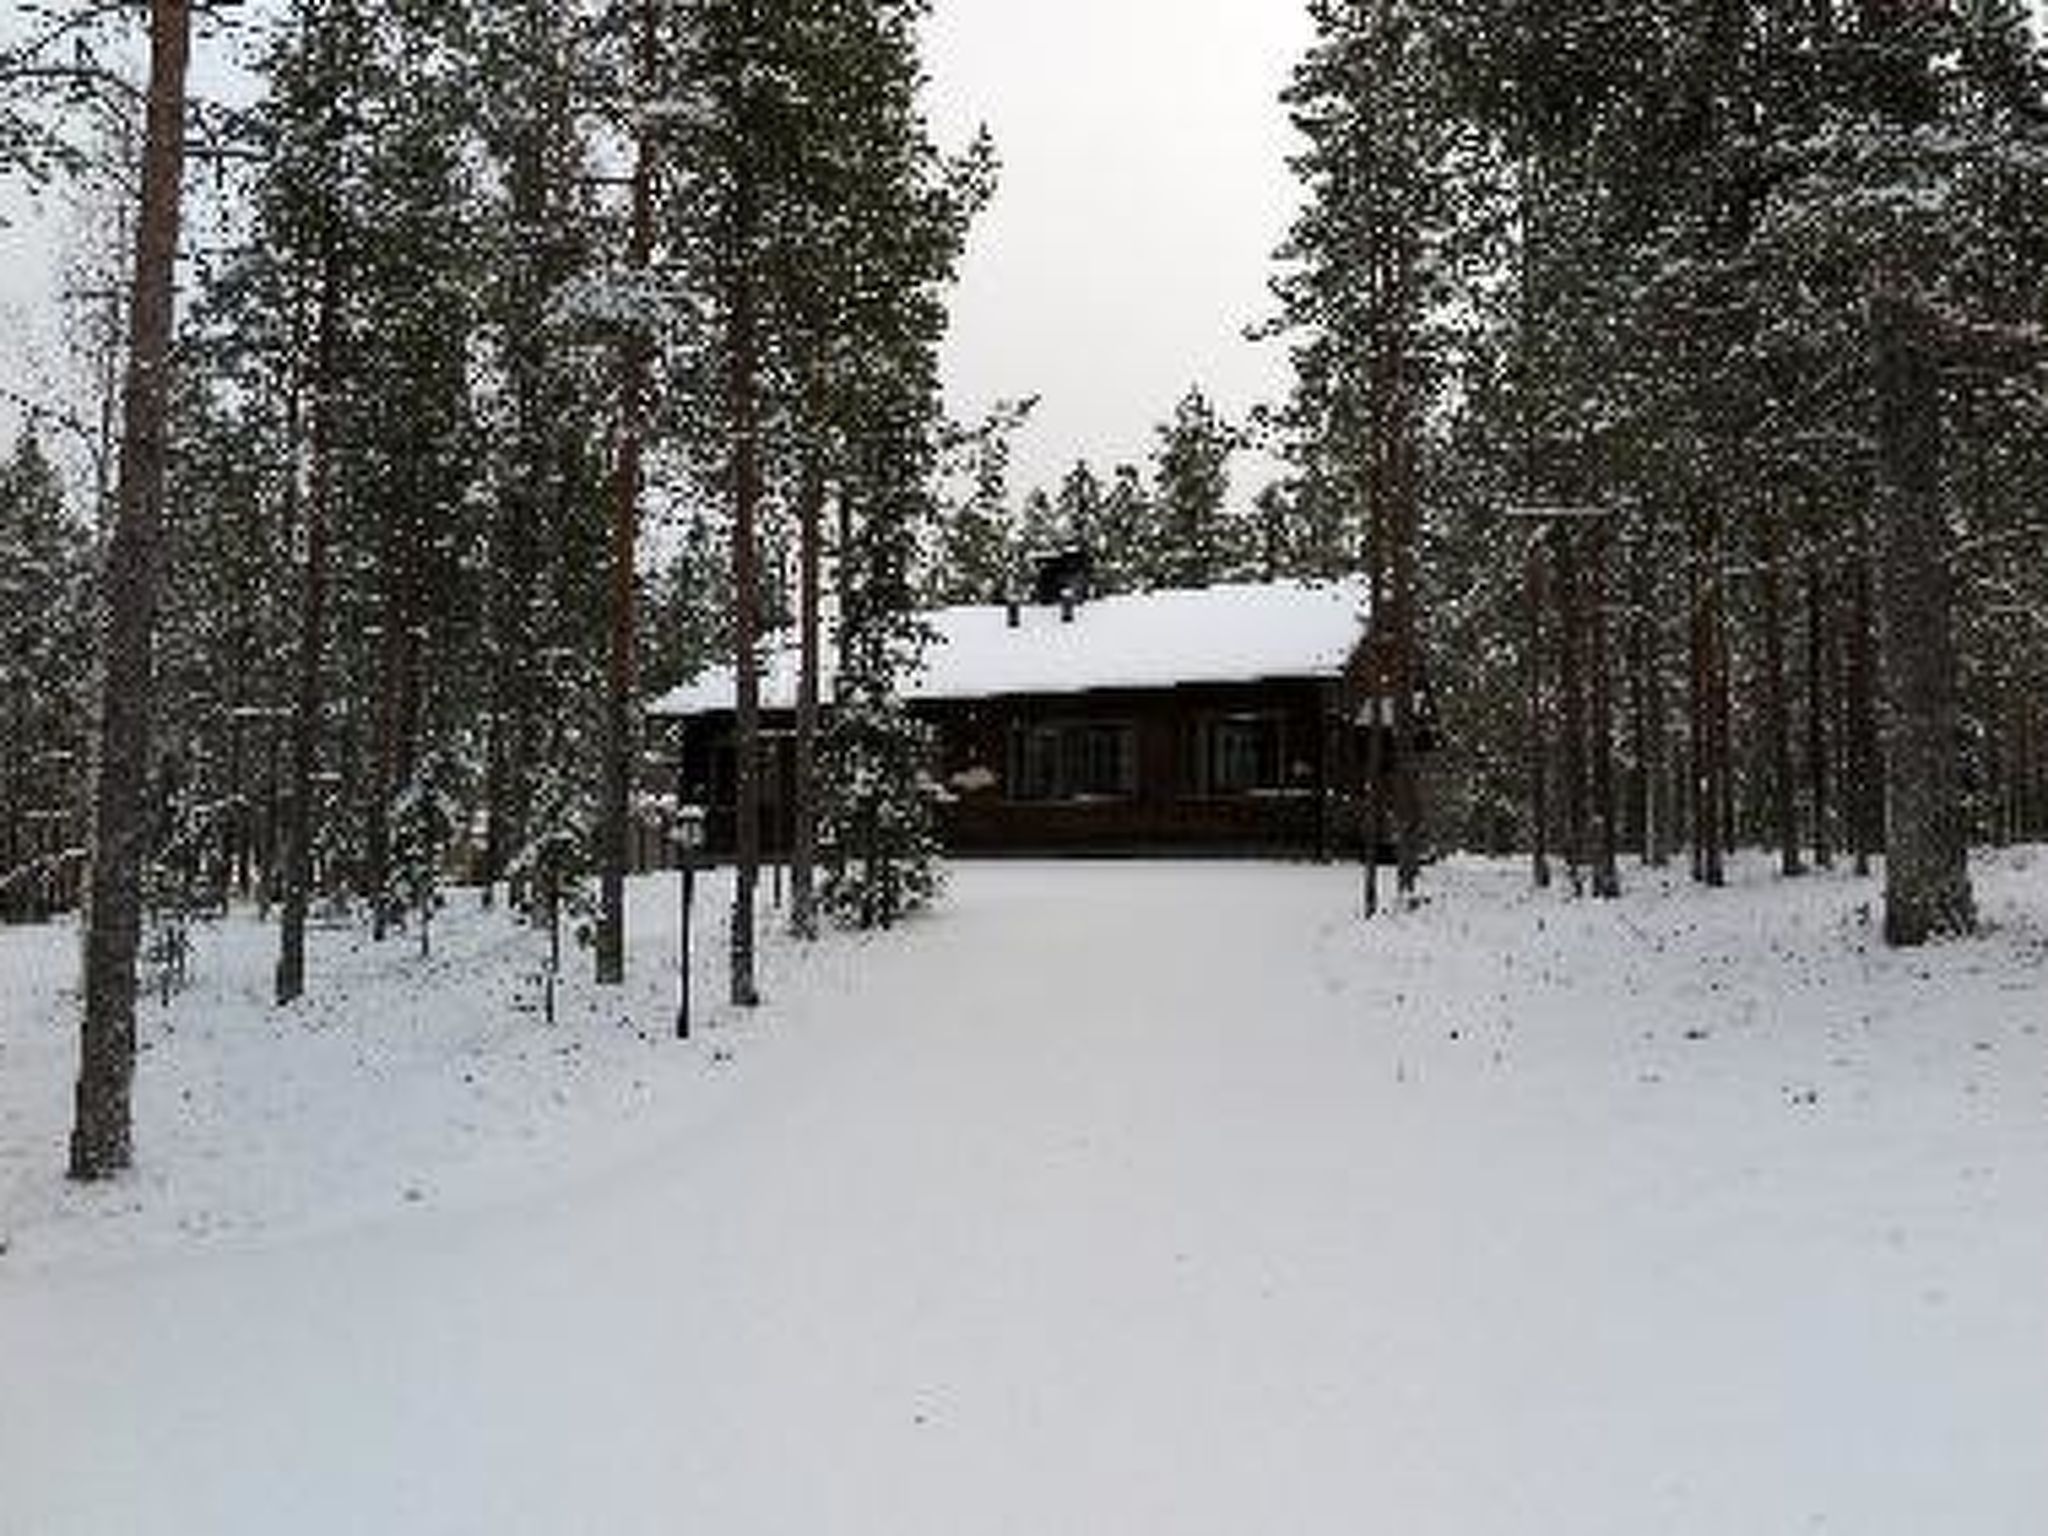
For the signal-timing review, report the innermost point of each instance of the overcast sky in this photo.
(1143, 190)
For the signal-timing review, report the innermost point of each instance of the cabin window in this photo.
(1074, 760)
(1243, 754)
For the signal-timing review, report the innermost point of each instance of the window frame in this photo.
(1267, 754)
(1049, 761)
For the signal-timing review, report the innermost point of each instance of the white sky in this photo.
(1144, 189)
(1143, 192)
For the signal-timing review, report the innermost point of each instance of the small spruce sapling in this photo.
(425, 816)
(551, 872)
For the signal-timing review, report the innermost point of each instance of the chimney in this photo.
(1013, 613)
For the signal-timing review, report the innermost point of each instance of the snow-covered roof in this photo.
(1221, 634)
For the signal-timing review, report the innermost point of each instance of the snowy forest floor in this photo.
(1115, 1199)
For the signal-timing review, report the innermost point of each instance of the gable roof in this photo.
(1223, 634)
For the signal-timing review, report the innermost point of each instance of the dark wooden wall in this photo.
(1309, 808)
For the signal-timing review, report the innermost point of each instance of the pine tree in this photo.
(1367, 270)
(635, 384)
(45, 647)
(1196, 544)
(290, 297)
(51, 78)
(1690, 199)
(102, 1136)
(541, 226)
(878, 802)
(901, 223)
(1122, 557)
(1079, 508)
(977, 544)
(425, 816)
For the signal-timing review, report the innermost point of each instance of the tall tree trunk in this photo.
(1721, 648)
(2030, 772)
(1380, 717)
(1818, 670)
(1534, 599)
(636, 365)
(1571, 626)
(1529, 204)
(743, 364)
(102, 1137)
(1705, 805)
(13, 803)
(803, 860)
(1866, 796)
(1927, 870)
(2017, 759)
(1606, 838)
(535, 207)
(506, 793)
(387, 661)
(1661, 798)
(1777, 697)
(1406, 530)
(1638, 825)
(308, 704)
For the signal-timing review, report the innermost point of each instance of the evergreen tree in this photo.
(540, 224)
(426, 814)
(1365, 286)
(1196, 543)
(977, 545)
(1124, 533)
(1692, 200)
(1079, 509)
(45, 649)
(642, 42)
(901, 223)
(102, 1136)
(1042, 531)
(51, 77)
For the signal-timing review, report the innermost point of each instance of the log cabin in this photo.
(1227, 719)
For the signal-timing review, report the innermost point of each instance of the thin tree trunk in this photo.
(386, 661)
(1378, 729)
(1571, 623)
(1721, 651)
(1866, 762)
(1379, 715)
(1406, 530)
(1606, 839)
(1705, 806)
(307, 705)
(12, 843)
(1407, 757)
(1777, 698)
(742, 365)
(1818, 667)
(1534, 599)
(2030, 768)
(102, 1136)
(1927, 869)
(1660, 797)
(2015, 726)
(803, 860)
(636, 362)
(1638, 824)
(506, 788)
(508, 792)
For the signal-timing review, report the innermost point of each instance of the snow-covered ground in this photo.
(1111, 1199)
